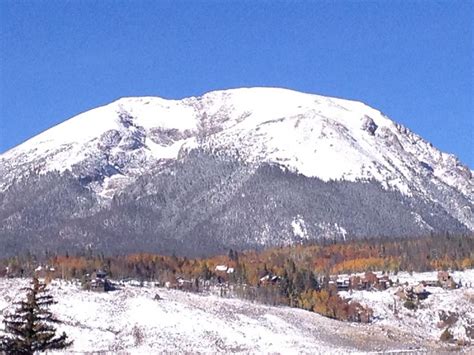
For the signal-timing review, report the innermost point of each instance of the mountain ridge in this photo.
(115, 148)
(192, 123)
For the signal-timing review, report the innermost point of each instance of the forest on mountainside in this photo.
(205, 204)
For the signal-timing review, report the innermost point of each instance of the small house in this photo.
(446, 280)
(417, 292)
(384, 282)
(354, 282)
(370, 278)
(184, 285)
(98, 282)
(420, 292)
(269, 278)
(44, 272)
(343, 283)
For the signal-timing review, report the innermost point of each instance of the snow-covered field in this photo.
(425, 322)
(130, 320)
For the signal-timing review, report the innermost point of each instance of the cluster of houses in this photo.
(419, 292)
(196, 284)
(371, 281)
(98, 281)
(367, 281)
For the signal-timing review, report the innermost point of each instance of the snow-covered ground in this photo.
(426, 321)
(130, 320)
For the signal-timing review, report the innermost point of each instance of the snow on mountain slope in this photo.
(309, 134)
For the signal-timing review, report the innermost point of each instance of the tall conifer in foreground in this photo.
(30, 328)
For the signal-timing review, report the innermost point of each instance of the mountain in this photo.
(241, 168)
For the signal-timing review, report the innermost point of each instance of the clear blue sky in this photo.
(413, 60)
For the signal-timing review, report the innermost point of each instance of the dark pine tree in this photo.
(30, 329)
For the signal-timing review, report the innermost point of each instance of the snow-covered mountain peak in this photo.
(312, 135)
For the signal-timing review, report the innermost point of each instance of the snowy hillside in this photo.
(426, 321)
(131, 320)
(343, 169)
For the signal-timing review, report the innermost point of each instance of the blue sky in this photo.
(413, 60)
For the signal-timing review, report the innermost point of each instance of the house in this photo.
(100, 274)
(269, 278)
(384, 282)
(401, 293)
(417, 292)
(446, 280)
(420, 292)
(342, 283)
(184, 285)
(354, 282)
(44, 272)
(367, 281)
(98, 282)
(370, 278)
(224, 269)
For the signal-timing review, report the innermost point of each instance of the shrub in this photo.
(446, 336)
(409, 304)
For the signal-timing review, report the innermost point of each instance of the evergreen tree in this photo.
(30, 328)
(206, 274)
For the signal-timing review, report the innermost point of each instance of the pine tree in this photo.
(30, 328)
